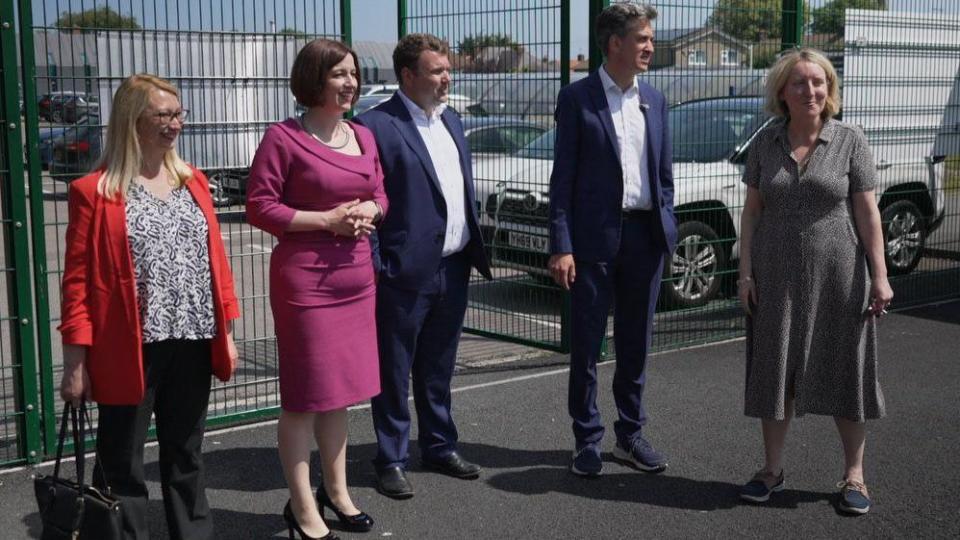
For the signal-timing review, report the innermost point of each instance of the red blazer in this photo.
(99, 304)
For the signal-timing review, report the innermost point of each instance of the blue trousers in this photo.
(630, 283)
(418, 332)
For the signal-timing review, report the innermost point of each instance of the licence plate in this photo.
(529, 242)
(230, 182)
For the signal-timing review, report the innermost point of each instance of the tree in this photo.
(287, 31)
(96, 18)
(472, 45)
(829, 18)
(747, 20)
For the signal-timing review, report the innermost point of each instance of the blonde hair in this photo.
(780, 72)
(122, 155)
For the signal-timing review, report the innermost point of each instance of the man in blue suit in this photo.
(611, 227)
(425, 249)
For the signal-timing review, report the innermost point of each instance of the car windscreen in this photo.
(705, 132)
(539, 148)
(699, 132)
(367, 102)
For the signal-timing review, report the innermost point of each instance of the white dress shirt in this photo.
(446, 162)
(631, 126)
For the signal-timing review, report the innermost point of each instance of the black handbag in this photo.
(71, 509)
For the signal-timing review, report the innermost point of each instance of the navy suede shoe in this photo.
(640, 454)
(586, 461)
(761, 486)
(854, 498)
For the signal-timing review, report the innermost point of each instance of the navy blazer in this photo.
(586, 185)
(408, 244)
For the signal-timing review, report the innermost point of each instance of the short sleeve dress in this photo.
(810, 335)
(322, 290)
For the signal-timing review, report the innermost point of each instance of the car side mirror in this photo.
(739, 156)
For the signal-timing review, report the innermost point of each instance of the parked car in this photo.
(48, 103)
(45, 143)
(488, 138)
(711, 139)
(76, 150)
(379, 90)
(75, 107)
(493, 136)
(365, 103)
(461, 104)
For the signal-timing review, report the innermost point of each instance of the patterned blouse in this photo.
(171, 261)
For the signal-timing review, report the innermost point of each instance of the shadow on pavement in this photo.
(651, 489)
(948, 312)
(546, 471)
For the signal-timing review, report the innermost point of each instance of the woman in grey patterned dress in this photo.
(812, 273)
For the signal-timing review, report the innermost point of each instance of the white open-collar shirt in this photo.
(446, 162)
(631, 126)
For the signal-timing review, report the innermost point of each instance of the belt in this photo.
(635, 213)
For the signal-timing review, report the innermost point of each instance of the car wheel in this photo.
(56, 117)
(904, 236)
(217, 191)
(693, 276)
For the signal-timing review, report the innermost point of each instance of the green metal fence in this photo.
(231, 61)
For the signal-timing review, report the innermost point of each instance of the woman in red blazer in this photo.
(147, 306)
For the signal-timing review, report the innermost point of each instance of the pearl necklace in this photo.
(340, 128)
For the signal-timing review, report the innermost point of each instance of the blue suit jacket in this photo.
(586, 186)
(407, 246)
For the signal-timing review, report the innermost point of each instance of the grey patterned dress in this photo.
(171, 262)
(810, 335)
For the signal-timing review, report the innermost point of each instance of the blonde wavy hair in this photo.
(780, 72)
(122, 156)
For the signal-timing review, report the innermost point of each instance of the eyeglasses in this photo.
(166, 117)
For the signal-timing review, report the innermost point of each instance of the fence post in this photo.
(346, 23)
(401, 18)
(596, 55)
(564, 42)
(15, 221)
(37, 228)
(791, 24)
(595, 61)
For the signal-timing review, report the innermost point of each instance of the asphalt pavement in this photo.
(513, 421)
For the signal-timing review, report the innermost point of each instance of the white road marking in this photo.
(508, 380)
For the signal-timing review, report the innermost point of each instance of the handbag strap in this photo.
(60, 437)
(98, 466)
(78, 439)
(79, 423)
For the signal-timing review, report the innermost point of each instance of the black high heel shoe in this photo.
(292, 525)
(358, 523)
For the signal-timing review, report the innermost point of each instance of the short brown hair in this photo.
(616, 19)
(780, 72)
(308, 77)
(408, 50)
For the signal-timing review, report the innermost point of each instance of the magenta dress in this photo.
(322, 290)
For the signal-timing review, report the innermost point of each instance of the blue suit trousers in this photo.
(630, 283)
(418, 332)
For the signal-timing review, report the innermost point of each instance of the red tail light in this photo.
(79, 146)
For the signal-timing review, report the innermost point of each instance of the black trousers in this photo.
(177, 392)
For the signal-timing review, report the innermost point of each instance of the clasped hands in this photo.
(352, 219)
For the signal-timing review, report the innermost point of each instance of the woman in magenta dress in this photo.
(317, 185)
